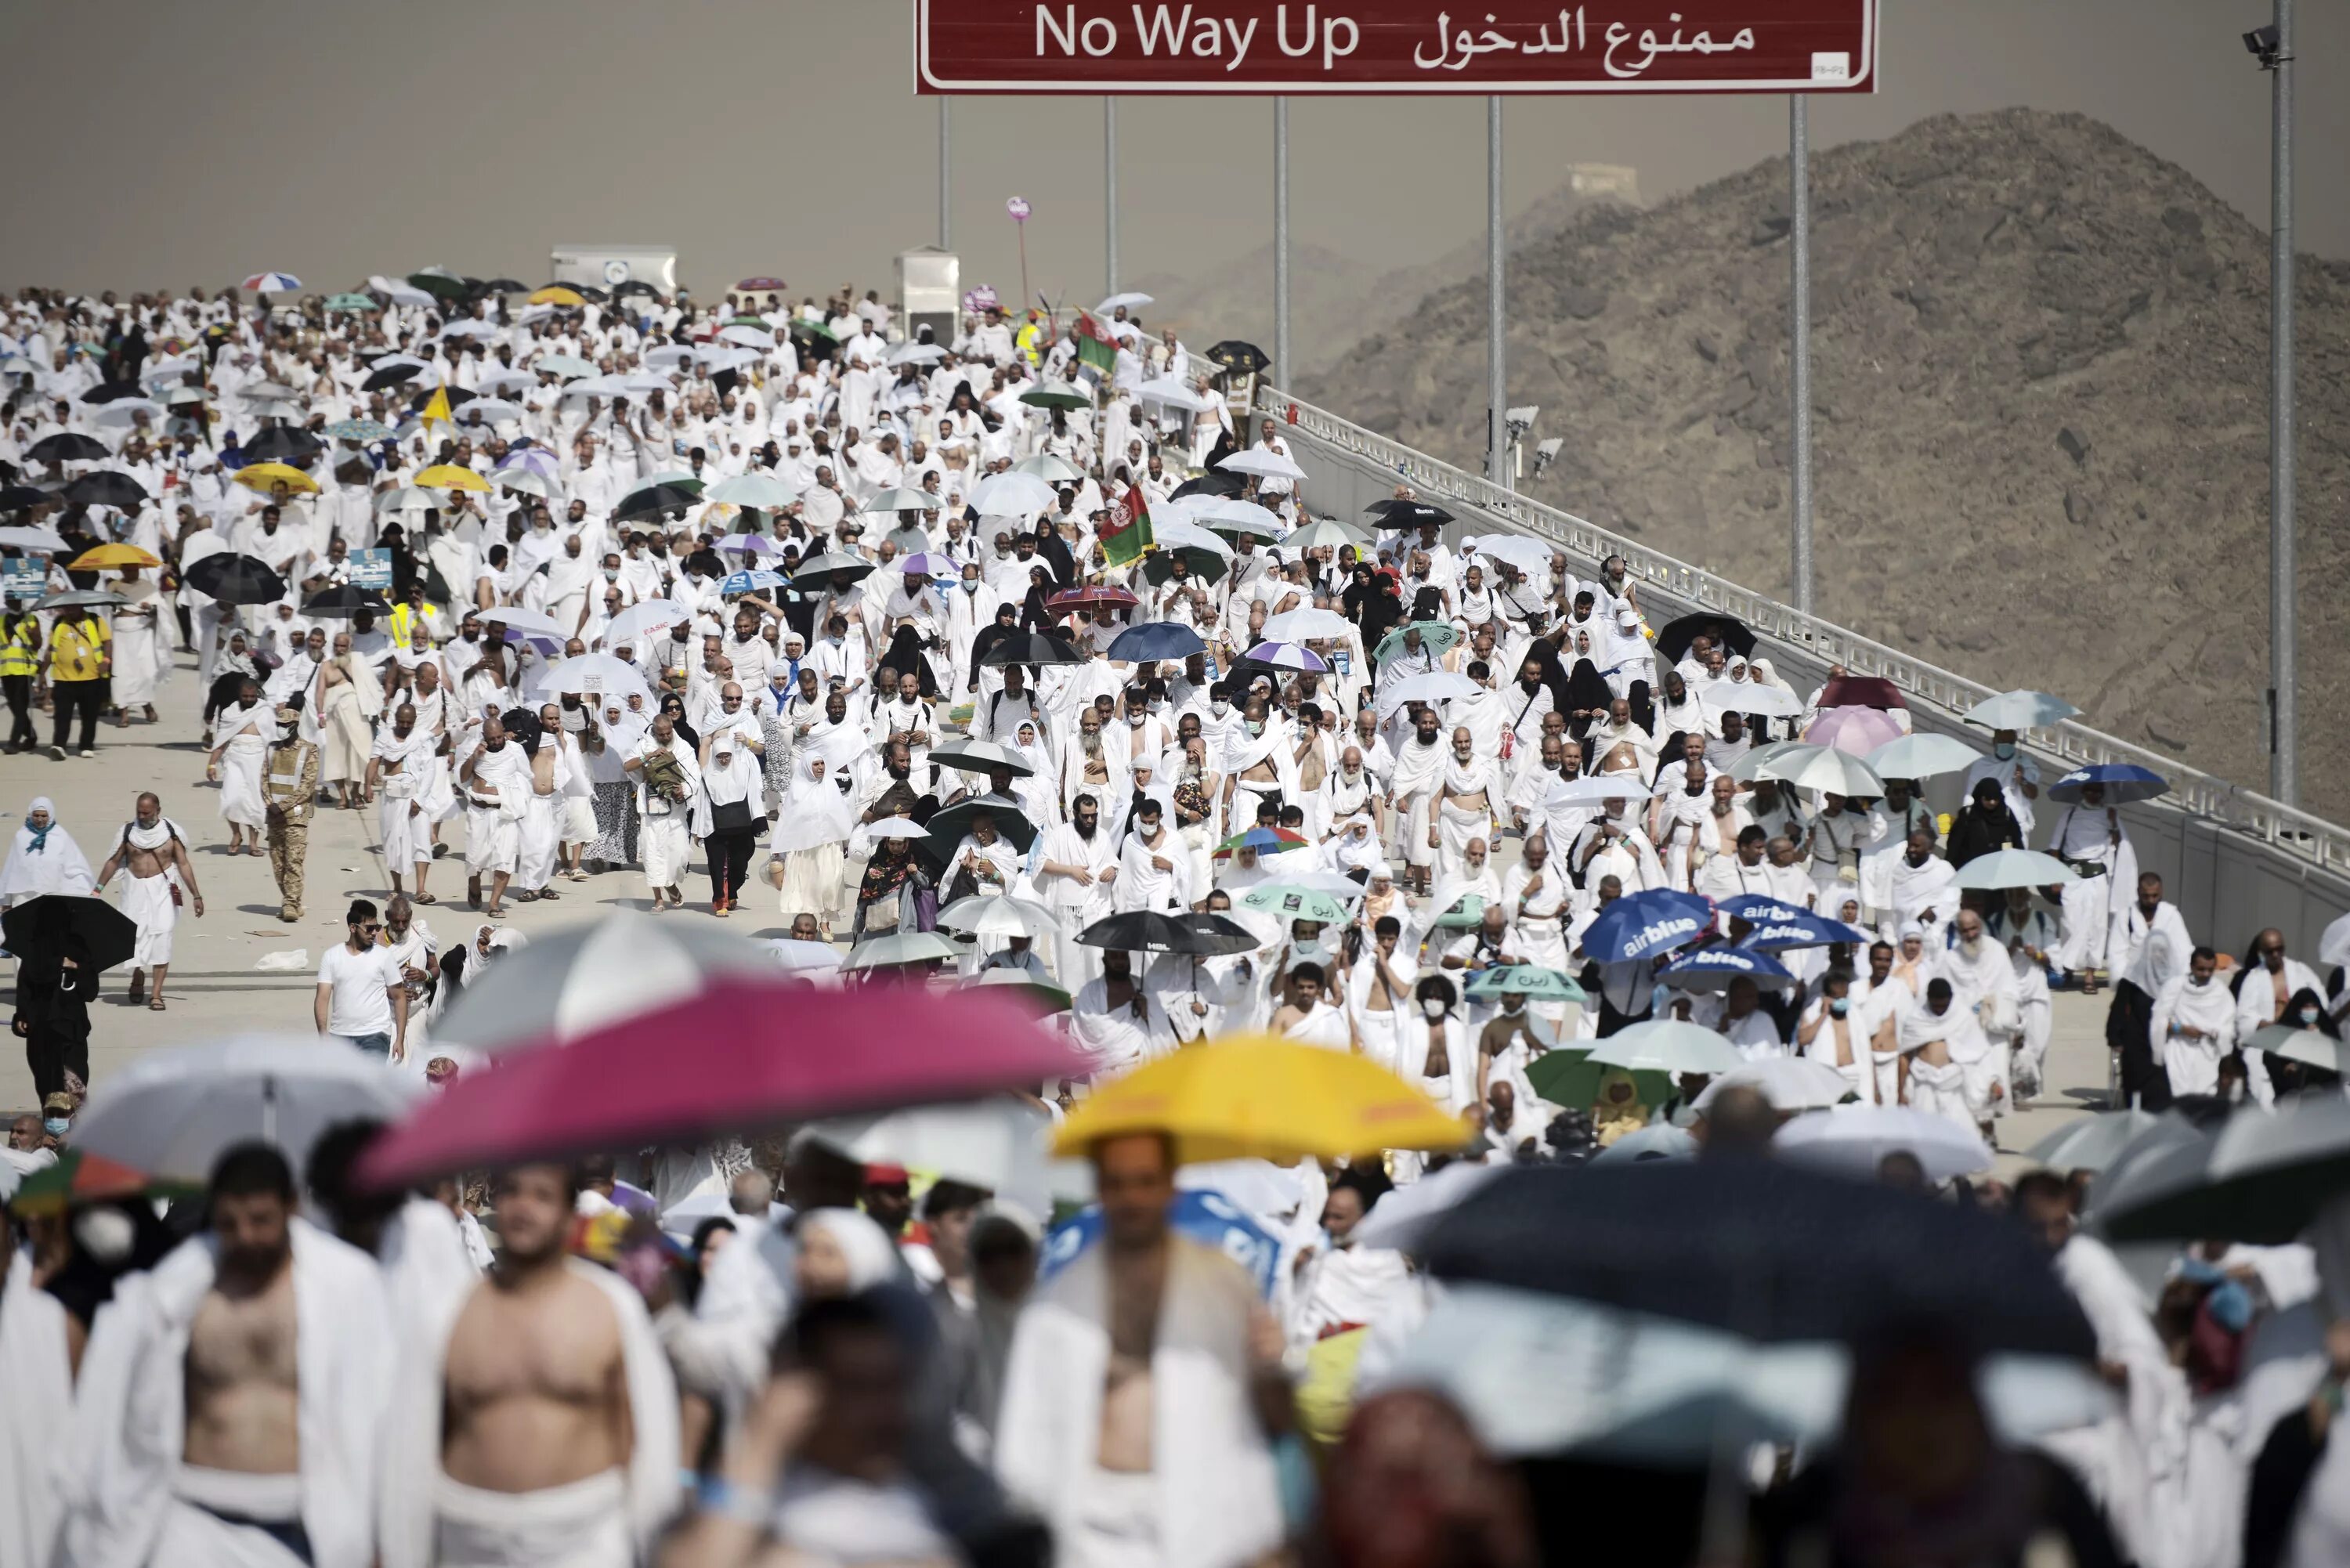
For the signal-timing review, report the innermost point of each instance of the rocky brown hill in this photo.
(2040, 366)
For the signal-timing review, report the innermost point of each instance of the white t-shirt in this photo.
(361, 1003)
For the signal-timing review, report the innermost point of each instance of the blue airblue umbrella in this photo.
(1713, 968)
(1798, 928)
(750, 582)
(1641, 925)
(1759, 908)
(1156, 639)
(1206, 1217)
(2124, 782)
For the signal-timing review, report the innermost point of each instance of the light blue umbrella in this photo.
(2124, 784)
(1921, 757)
(359, 430)
(2020, 710)
(750, 582)
(566, 366)
(1154, 639)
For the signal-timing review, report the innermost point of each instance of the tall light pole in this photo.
(1281, 239)
(1109, 193)
(1799, 356)
(1497, 462)
(946, 179)
(2284, 746)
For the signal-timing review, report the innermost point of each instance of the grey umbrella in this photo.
(981, 757)
(2091, 1143)
(2262, 1180)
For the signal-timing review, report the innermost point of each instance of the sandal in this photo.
(138, 989)
(524, 896)
(546, 893)
(156, 1005)
(423, 898)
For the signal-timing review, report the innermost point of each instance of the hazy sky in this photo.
(172, 145)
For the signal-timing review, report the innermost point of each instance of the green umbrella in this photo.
(1295, 903)
(1467, 910)
(761, 322)
(1569, 1077)
(351, 303)
(1062, 397)
(1436, 636)
(440, 285)
(1206, 565)
(681, 477)
(1325, 530)
(1047, 998)
(1523, 979)
(800, 328)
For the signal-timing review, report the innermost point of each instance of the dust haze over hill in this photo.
(2040, 371)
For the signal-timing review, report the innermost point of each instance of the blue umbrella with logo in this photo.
(2124, 782)
(1783, 928)
(750, 582)
(1641, 925)
(1714, 968)
(1205, 1216)
(1154, 639)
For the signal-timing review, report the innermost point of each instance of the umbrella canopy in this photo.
(655, 499)
(567, 367)
(29, 538)
(112, 557)
(172, 1113)
(235, 579)
(2262, 1180)
(283, 444)
(1529, 556)
(1204, 555)
(126, 412)
(1232, 354)
(1527, 980)
(1231, 514)
(1292, 903)
(1641, 925)
(948, 828)
(917, 354)
(2014, 868)
(572, 982)
(261, 476)
(1431, 686)
(1717, 967)
(763, 284)
(1170, 393)
(344, 601)
(1853, 1141)
(1861, 691)
(903, 498)
(1154, 639)
(2020, 710)
(2122, 781)
(43, 929)
(1790, 1083)
(2093, 1142)
(517, 617)
(1727, 631)
(449, 476)
(360, 432)
(2296, 1043)
(899, 949)
(641, 620)
(1264, 840)
(272, 282)
(1051, 469)
(1031, 648)
(1854, 731)
(764, 491)
(67, 446)
(997, 1143)
(1761, 1248)
(81, 598)
(557, 294)
(1012, 494)
(1063, 396)
(1397, 512)
(80, 1177)
(1263, 463)
(981, 757)
(1202, 935)
(1256, 1097)
(1781, 928)
(1920, 756)
(1825, 768)
(831, 570)
(734, 583)
(1092, 596)
(1000, 915)
(108, 488)
(1307, 624)
(350, 304)
(1437, 637)
(1667, 1046)
(742, 1055)
(1288, 656)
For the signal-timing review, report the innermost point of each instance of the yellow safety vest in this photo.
(20, 650)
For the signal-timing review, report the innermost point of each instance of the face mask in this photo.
(2308, 1021)
(1256, 726)
(612, 573)
(1839, 1007)
(1158, 707)
(969, 585)
(2003, 751)
(57, 1127)
(1433, 1007)
(1220, 707)
(1134, 721)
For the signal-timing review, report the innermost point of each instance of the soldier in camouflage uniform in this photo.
(289, 786)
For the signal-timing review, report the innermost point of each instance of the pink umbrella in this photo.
(745, 1054)
(1857, 731)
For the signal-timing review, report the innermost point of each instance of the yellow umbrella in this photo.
(112, 557)
(449, 476)
(1256, 1096)
(261, 475)
(555, 294)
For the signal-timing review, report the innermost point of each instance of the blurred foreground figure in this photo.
(1412, 1488)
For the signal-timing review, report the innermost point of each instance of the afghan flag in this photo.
(1128, 533)
(1095, 347)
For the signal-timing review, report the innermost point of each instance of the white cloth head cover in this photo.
(872, 1256)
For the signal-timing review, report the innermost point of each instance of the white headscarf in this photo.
(872, 1256)
(40, 863)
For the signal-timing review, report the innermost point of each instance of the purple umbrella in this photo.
(929, 563)
(1854, 731)
(537, 460)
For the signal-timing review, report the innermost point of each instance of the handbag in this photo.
(730, 817)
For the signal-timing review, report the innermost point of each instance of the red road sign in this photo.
(1395, 47)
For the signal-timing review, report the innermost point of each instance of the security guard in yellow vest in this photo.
(289, 789)
(20, 661)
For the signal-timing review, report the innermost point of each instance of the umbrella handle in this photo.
(269, 1111)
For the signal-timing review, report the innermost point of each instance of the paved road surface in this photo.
(216, 989)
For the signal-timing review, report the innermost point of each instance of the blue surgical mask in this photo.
(57, 1127)
(1256, 726)
(2308, 1018)
(1839, 1006)
(2003, 749)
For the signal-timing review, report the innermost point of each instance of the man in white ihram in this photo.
(230, 1405)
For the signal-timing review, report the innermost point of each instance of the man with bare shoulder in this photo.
(1143, 1383)
(245, 1387)
(542, 1426)
(152, 849)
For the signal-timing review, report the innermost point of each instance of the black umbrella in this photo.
(1235, 354)
(1396, 513)
(831, 570)
(1216, 482)
(24, 497)
(637, 285)
(343, 601)
(458, 397)
(440, 285)
(1032, 647)
(106, 488)
(1760, 1249)
(948, 826)
(2262, 1180)
(235, 579)
(1674, 640)
(37, 929)
(66, 446)
(584, 290)
(108, 392)
(505, 285)
(391, 375)
(1151, 930)
(653, 500)
(284, 443)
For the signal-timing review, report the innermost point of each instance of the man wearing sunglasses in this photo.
(361, 999)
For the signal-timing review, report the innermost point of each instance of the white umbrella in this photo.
(1000, 915)
(489, 411)
(595, 675)
(2013, 868)
(1667, 1046)
(1177, 534)
(1921, 757)
(1592, 793)
(998, 1143)
(1263, 463)
(1013, 494)
(1756, 697)
(514, 617)
(903, 498)
(125, 411)
(1404, 1215)
(570, 982)
(764, 491)
(640, 621)
(669, 354)
(1427, 686)
(2020, 710)
(731, 357)
(408, 498)
(1789, 1083)
(1174, 394)
(1304, 624)
(907, 947)
(1326, 533)
(895, 827)
(748, 337)
(174, 1112)
(506, 381)
(472, 329)
(1049, 468)
(2091, 1142)
(1823, 768)
(522, 480)
(24, 536)
(917, 354)
(1128, 300)
(398, 293)
(597, 387)
(1748, 768)
(1231, 512)
(801, 957)
(1853, 1140)
(1531, 556)
(563, 365)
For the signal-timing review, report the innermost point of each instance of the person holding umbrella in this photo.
(54, 990)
